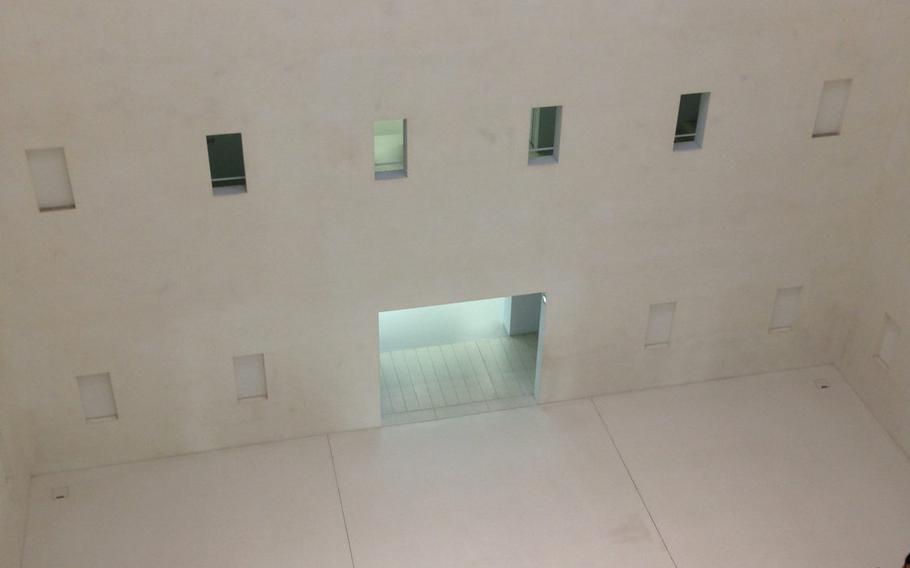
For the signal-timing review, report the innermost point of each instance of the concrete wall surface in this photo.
(158, 282)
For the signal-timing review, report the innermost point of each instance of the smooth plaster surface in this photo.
(885, 289)
(161, 284)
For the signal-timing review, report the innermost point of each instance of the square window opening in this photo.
(226, 164)
(786, 309)
(50, 179)
(249, 374)
(831, 108)
(543, 143)
(97, 394)
(390, 149)
(690, 121)
(660, 324)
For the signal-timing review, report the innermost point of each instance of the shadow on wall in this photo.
(463, 321)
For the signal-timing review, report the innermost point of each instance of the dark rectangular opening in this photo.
(226, 164)
(543, 143)
(690, 121)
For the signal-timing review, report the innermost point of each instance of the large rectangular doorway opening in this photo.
(461, 358)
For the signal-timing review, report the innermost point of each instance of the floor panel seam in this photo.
(634, 483)
(344, 518)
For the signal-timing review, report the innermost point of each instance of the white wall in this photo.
(885, 289)
(154, 280)
(441, 325)
(15, 452)
(522, 314)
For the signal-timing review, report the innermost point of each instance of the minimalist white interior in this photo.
(460, 358)
(831, 108)
(249, 372)
(660, 324)
(267, 505)
(97, 396)
(442, 324)
(299, 267)
(883, 287)
(786, 308)
(768, 470)
(764, 469)
(160, 278)
(50, 179)
(891, 333)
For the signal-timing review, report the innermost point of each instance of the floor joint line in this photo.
(344, 517)
(634, 483)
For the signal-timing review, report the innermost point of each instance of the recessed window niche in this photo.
(249, 374)
(543, 143)
(390, 149)
(690, 121)
(660, 324)
(831, 108)
(97, 394)
(226, 163)
(786, 309)
(887, 347)
(50, 179)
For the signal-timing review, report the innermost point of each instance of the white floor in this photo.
(752, 472)
(468, 377)
(539, 486)
(768, 470)
(267, 505)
